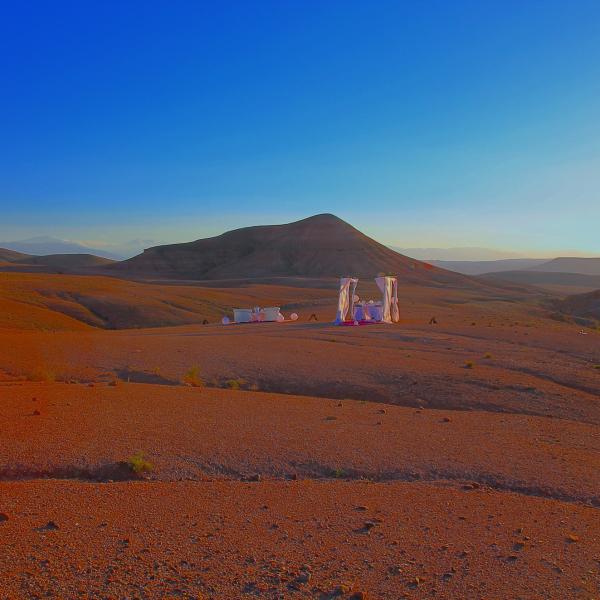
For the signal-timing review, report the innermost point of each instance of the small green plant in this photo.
(41, 374)
(339, 473)
(192, 377)
(234, 384)
(138, 464)
(469, 364)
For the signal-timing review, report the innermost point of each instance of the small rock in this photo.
(446, 420)
(572, 538)
(36, 413)
(49, 526)
(382, 411)
(303, 578)
(3, 517)
(361, 508)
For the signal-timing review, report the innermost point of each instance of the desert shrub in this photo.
(234, 384)
(339, 473)
(41, 374)
(487, 355)
(138, 464)
(597, 367)
(192, 377)
(469, 364)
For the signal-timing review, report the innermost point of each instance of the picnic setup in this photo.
(351, 310)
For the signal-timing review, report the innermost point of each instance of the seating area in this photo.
(351, 311)
(270, 314)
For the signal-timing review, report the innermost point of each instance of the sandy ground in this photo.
(292, 540)
(60, 430)
(457, 460)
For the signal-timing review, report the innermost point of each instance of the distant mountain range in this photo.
(466, 253)
(479, 267)
(44, 245)
(319, 246)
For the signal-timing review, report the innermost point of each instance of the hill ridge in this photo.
(321, 245)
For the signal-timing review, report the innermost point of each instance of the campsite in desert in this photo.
(300, 301)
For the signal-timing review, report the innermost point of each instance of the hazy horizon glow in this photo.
(438, 125)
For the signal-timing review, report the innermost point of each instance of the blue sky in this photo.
(422, 123)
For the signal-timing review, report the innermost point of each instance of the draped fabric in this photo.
(389, 305)
(346, 299)
(389, 289)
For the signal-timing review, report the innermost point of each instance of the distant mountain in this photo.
(41, 246)
(319, 246)
(56, 263)
(564, 264)
(467, 253)
(546, 279)
(582, 305)
(11, 256)
(67, 261)
(480, 267)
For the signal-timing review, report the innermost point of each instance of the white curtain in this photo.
(346, 299)
(389, 289)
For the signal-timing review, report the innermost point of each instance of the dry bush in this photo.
(138, 464)
(235, 384)
(192, 377)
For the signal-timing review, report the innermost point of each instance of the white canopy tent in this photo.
(384, 312)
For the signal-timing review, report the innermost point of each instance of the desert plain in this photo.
(456, 459)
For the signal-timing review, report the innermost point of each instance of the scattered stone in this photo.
(3, 517)
(303, 578)
(471, 486)
(255, 477)
(49, 526)
(331, 418)
(395, 570)
(447, 576)
(519, 546)
(361, 508)
(446, 420)
(382, 411)
(341, 589)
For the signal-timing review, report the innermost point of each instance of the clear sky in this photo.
(429, 123)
